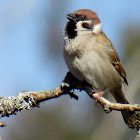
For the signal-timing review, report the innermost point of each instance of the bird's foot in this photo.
(100, 94)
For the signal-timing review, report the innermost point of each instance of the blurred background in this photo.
(31, 44)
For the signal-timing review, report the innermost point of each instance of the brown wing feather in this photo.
(114, 58)
(117, 64)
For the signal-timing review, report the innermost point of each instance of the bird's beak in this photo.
(71, 17)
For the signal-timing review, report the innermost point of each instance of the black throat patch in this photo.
(70, 29)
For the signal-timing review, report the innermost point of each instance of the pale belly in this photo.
(89, 64)
(93, 69)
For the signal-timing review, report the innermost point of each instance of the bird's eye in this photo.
(83, 17)
(87, 26)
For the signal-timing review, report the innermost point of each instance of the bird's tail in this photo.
(119, 95)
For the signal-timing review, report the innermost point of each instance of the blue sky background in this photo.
(21, 65)
(21, 57)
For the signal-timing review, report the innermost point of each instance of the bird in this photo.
(91, 57)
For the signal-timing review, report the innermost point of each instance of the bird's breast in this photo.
(86, 62)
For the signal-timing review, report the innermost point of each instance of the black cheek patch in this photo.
(87, 26)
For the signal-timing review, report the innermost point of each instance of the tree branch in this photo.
(27, 100)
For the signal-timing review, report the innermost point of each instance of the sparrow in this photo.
(91, 56)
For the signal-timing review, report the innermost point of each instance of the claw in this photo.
(100, 94)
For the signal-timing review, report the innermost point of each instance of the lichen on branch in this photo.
(28, 100)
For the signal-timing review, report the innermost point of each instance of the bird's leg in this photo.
(100, 94)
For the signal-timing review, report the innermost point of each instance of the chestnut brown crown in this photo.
(90, 15)
(80, 15)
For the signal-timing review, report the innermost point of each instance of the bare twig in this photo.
(27, 100)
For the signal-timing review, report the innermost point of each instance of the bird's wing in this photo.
(115, 60)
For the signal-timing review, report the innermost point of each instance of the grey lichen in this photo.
(11, 105)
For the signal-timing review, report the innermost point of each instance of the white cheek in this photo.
(80, 27)
(97, 28)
